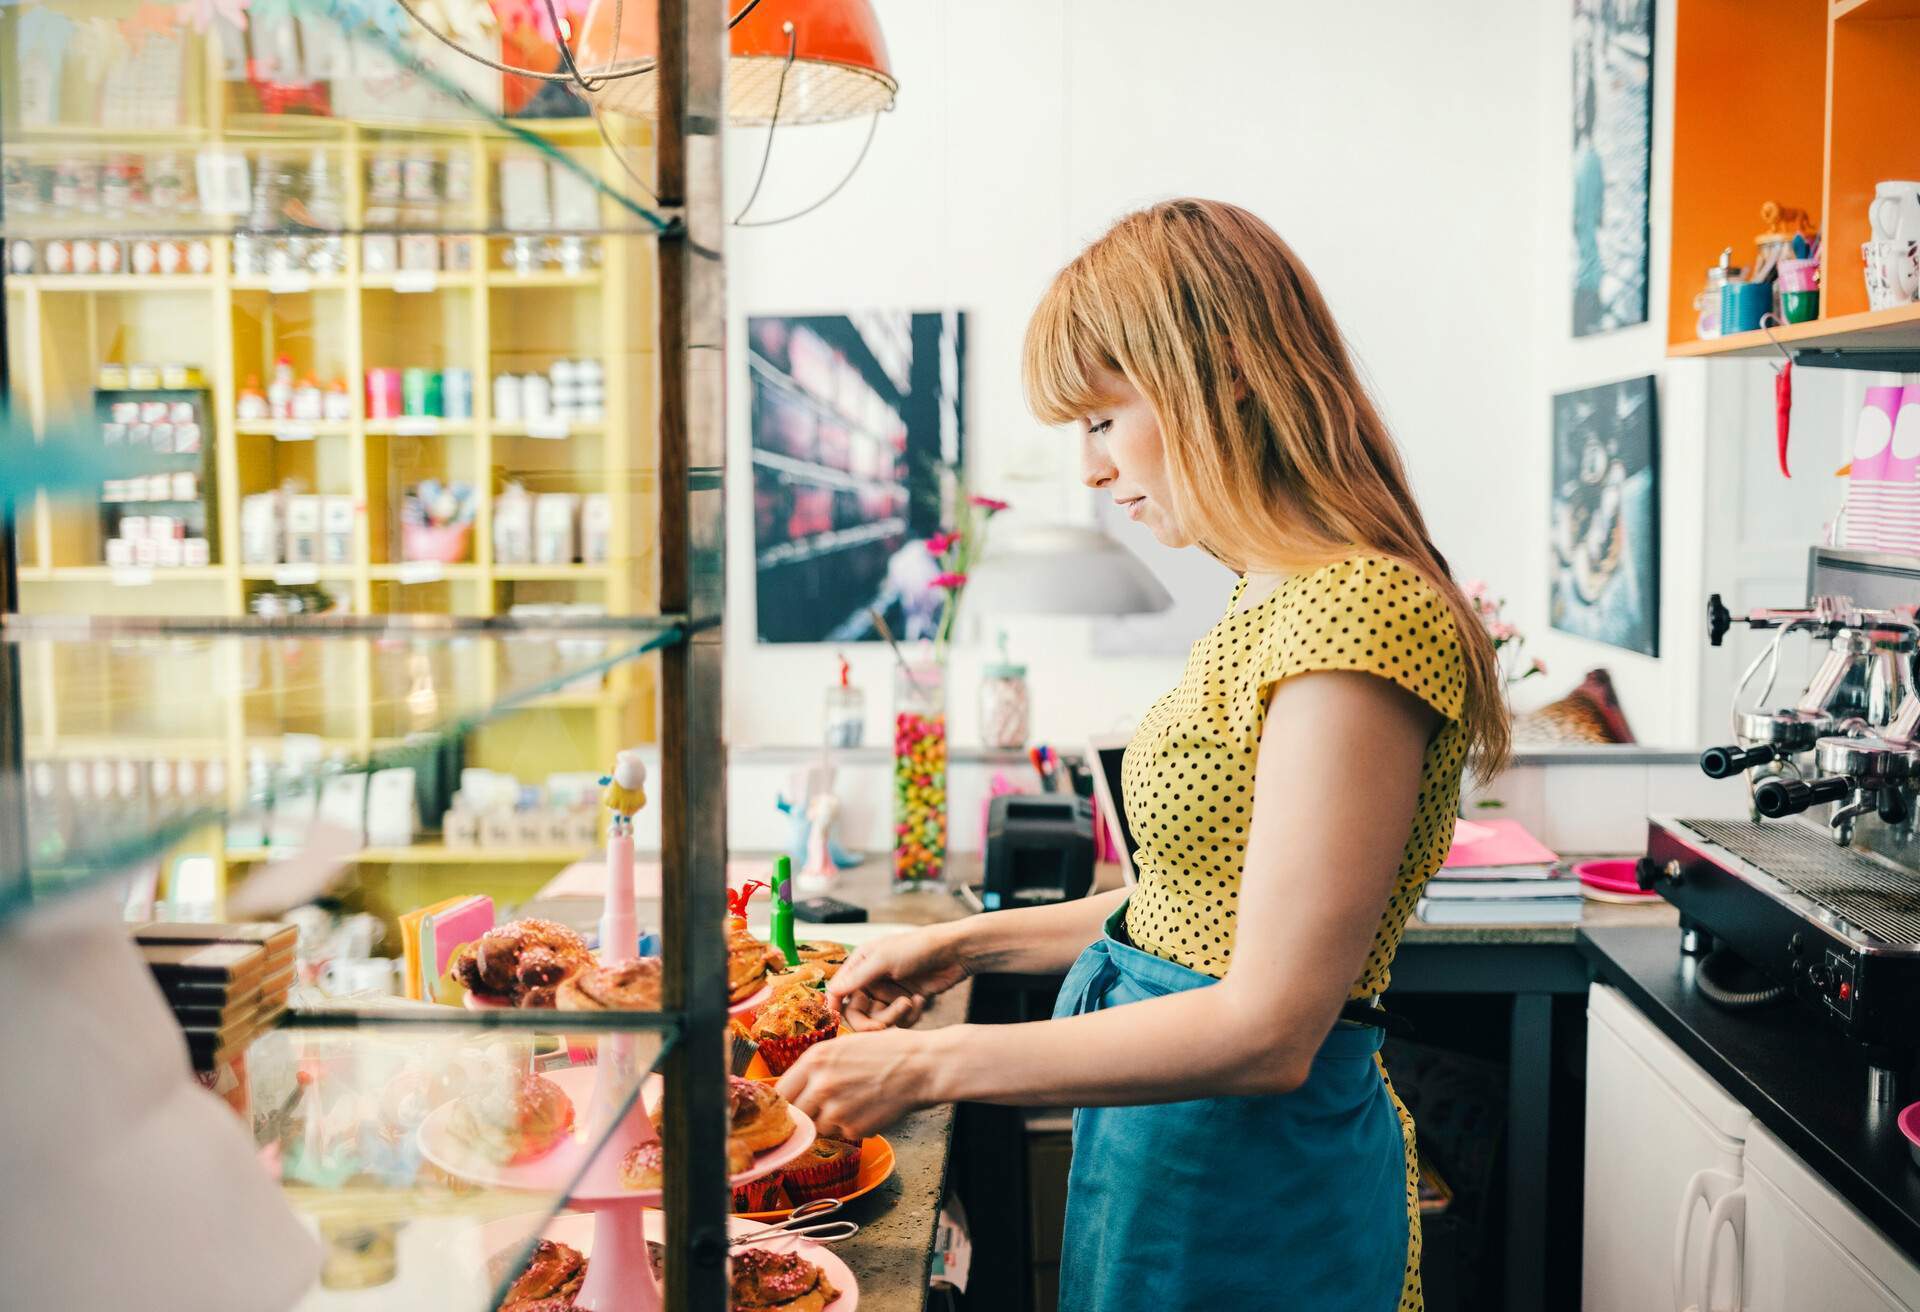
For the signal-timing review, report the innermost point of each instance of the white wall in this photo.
(1394, 144)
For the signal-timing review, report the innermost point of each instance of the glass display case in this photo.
(361, 512)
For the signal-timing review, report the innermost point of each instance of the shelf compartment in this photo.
(112, 282)
(1873, 105)
(1735, 147)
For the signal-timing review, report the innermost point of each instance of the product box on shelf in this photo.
(555, 528)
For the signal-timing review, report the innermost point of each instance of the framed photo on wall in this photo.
(859, 423)
(1605, 517)
(1612, 161)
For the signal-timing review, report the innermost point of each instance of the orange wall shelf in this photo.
(1804, 102)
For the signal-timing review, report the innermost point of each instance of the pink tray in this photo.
(1909, 1123)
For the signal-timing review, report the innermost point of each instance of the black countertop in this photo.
(1805, 1084)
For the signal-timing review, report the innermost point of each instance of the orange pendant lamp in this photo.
(839, 67)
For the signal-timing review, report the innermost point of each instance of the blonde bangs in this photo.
(1063, 354)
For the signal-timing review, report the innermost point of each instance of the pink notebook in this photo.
(441, 935)
(1485, 844)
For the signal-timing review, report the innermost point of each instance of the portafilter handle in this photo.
(1776, 798)
(1726, 762)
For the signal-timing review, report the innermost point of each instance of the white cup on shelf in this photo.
(1895, 211)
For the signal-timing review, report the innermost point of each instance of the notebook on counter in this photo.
(1497, 849)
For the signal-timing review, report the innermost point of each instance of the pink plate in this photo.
(503, 1237)
(748, 1005)
(1612, 877)
(1909, 1123)
(562, 1165)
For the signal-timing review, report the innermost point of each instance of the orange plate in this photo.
(876, 1164)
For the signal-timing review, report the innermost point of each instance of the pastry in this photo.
(832, 956)
(551, 1279)
(513, 1120)
(521, 963)
(630, 986)
(641, 1167)
(761, 1195)
(759, 1116)
(808, 974)
(747, 962)
(789, 1025)
(785, 1281)
(828, 1169)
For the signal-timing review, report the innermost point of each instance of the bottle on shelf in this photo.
(280, 390)
(251, 404)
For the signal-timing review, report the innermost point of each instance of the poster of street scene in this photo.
(1605, 518)
(1612, 158)
(858, 427)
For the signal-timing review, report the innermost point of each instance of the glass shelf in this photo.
(158, 751)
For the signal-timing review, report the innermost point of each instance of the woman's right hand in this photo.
(889, 981)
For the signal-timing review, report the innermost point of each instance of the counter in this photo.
(1804, 1083)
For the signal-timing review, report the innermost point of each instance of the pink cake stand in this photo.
(620, 1278)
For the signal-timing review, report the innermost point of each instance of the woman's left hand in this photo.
(855, 1084)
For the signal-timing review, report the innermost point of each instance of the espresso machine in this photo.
(1818, 892)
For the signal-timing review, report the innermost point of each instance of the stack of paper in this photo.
(1499, 874)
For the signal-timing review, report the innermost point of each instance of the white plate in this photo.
(555, 1171)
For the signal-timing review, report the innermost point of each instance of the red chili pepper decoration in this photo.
(1783, 410)
(737, 898)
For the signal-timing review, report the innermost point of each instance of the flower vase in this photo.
(920, 776)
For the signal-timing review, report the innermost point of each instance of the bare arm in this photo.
(1033, 940)
(1335, 789)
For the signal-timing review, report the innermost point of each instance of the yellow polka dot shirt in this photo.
(1188, 771)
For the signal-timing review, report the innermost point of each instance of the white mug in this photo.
(1895, 212)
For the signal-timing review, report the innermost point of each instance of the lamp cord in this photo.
(773, 124)
(873, 126)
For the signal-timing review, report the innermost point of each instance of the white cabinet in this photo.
(1692, 1206)
(1803, 1246)
(1663, 1148)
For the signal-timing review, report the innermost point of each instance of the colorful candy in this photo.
(919, 797)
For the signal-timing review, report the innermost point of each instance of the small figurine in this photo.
(626, 788)
(811, 807)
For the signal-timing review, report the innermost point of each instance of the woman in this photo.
(1237, 1144)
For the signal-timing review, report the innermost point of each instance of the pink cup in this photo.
(1799, 275)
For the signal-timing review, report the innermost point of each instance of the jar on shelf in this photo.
(920, 775)
(1005, 710)
(845, 712)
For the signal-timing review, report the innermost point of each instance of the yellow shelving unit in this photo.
(485, 319)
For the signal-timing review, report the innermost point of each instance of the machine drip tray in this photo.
(1867, 892)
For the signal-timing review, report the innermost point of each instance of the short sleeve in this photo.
(1371, 614)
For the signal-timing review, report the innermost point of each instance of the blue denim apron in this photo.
(1295, 1200)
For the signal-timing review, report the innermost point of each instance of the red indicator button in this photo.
(1846, 990)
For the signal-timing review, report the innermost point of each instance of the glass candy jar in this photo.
(919, 774)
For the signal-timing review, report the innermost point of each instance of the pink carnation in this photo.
(988, 504)
(1502, 631)
(1476, 588)
(1539, 666)
(952, 582)
(941, 543)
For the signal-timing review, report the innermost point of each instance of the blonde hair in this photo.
(1277, 458)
